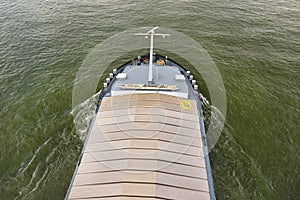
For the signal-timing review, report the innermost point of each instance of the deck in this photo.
(143, 146)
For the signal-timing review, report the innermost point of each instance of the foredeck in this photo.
(143, 146)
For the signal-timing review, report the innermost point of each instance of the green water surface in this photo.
(255, 45)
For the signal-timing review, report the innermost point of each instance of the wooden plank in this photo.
(144, 144)
(147, 111)
(175, 138)
(140, 134)
(145, 177)
(180, 193)
(127, 198)
(136, 189)
(150, 155)
(181, 181)
(177, 169)
(154, 127)
(92, 191)
(114, 104)
(149, 119)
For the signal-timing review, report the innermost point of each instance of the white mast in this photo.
(152, 34)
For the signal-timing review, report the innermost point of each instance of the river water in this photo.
(254, 44)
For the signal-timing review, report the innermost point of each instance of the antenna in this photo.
(152, 34)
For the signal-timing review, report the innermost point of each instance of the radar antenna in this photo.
(151, 33)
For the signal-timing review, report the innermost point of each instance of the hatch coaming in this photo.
(147, 141)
